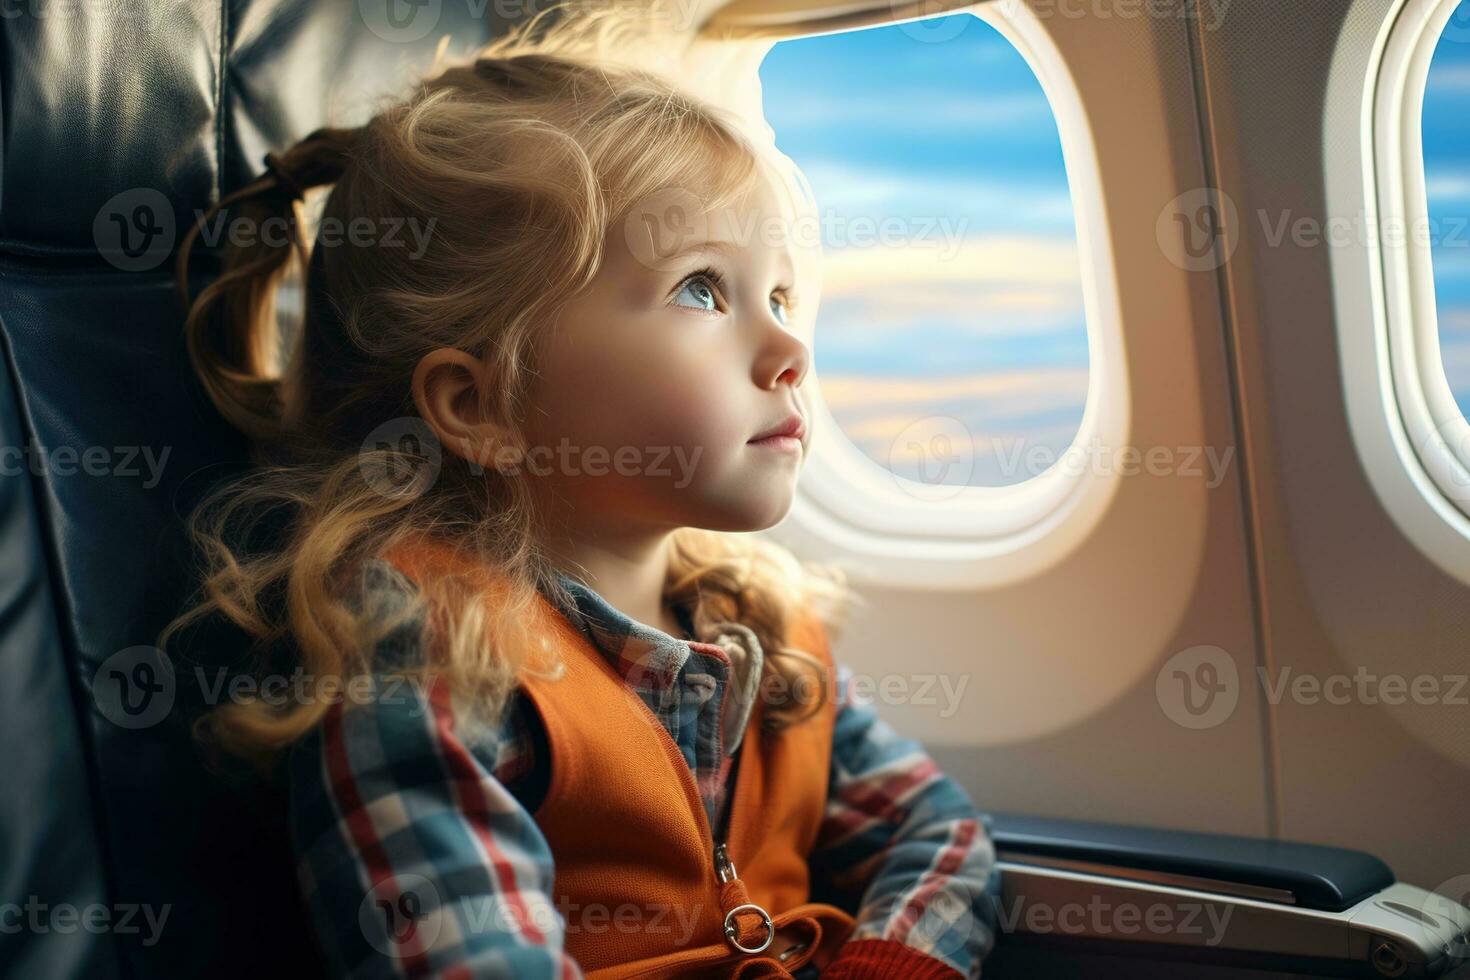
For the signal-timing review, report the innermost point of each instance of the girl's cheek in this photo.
(715, 405)
(682, 392)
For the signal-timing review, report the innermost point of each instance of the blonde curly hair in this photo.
(520, 160)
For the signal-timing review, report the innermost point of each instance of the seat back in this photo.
(122, 122)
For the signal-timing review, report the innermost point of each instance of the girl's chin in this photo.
(755, 506)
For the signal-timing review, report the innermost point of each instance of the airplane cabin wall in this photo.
(1290, 564)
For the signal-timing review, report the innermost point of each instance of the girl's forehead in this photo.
(665, 226)
(772, 190)
(767, 216)
(760, 211)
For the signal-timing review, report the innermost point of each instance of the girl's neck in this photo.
(628, 572)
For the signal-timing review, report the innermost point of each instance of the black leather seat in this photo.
(120, 123)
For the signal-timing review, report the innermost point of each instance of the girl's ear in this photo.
(446, 391)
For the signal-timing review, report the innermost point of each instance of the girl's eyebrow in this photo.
(726, 247)
(710, 245)
(706, 245)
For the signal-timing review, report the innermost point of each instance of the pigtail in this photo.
(234, 341)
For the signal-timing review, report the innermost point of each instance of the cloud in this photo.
(997, 395)
(1449, 78)
(901, 110)
(996, 412)
(1017, 263)
(950, 309)
(1444, 188)
(975, 202)
(1454, 319)
(1451, 260)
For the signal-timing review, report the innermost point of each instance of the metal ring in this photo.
(733, 934)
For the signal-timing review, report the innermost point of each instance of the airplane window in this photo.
(1447, 184)
(952, 304)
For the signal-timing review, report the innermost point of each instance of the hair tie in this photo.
(283, 179)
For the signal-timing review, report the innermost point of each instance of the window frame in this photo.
(1412, 441)
(1433, 421)
(978, 536)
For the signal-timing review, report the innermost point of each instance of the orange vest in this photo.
(636, 875)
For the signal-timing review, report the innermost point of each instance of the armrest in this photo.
(1250, 902)
(1326, 878)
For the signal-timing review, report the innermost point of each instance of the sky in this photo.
(968, 306)
(1447, 180)
(971, 309)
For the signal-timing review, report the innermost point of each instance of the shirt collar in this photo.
(652, 662)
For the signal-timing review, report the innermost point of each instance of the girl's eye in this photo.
(778, 307)
(701, 291)
(702, 288)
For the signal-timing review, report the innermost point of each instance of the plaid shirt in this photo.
(418, 855)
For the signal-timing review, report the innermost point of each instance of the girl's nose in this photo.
(785, 357)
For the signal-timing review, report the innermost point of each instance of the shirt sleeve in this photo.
(902, 846)
(414, 858)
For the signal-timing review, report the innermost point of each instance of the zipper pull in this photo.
(724, 867)
(725, 873)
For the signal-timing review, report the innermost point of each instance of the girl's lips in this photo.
(780, 443)
(793, 426)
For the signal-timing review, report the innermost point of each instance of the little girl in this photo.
(559, 714)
